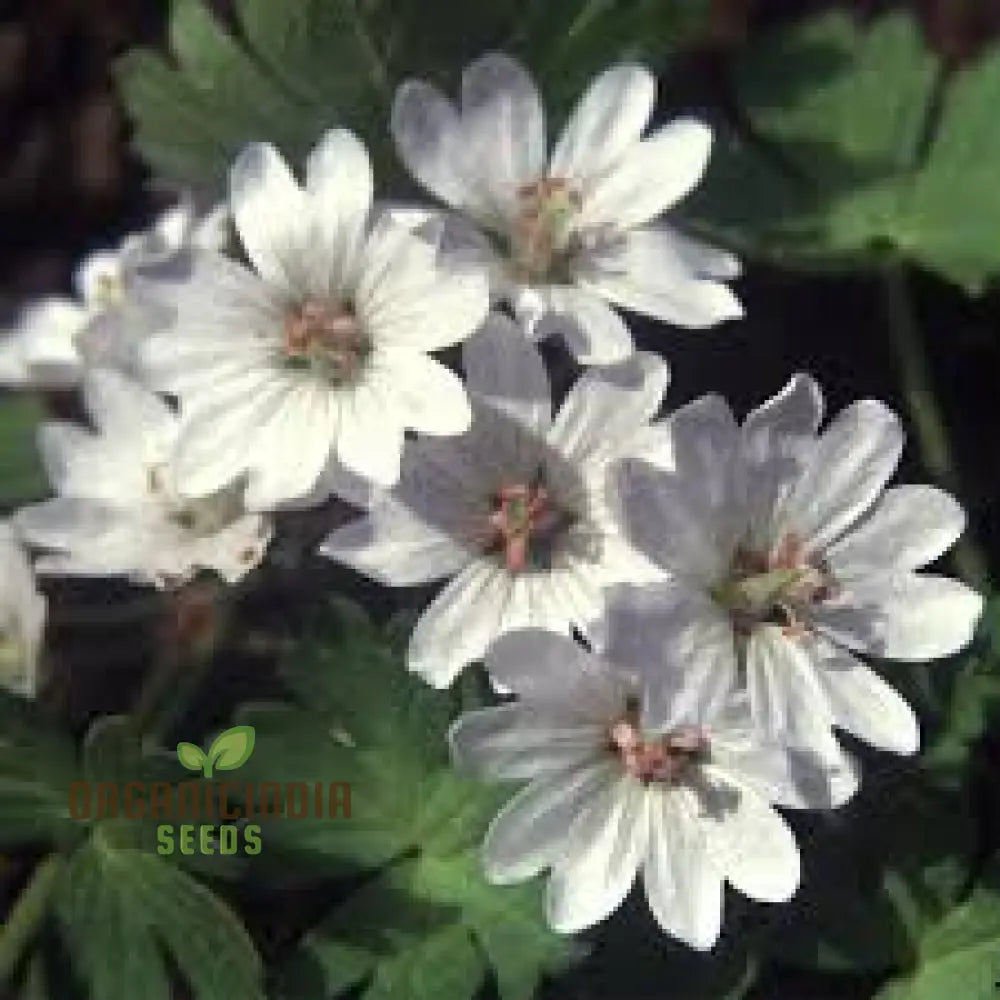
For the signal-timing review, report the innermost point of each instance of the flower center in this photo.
(524, 526)
(327, 338)
(777, 587)
(543, 229)
(109, 291)
(665, 759)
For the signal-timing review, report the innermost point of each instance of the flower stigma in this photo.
(325, 337)
(524, 525)
(778, 587)
(666, 758)
(542, 236)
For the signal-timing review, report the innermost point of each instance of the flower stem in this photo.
(925, 414)
(28, 913)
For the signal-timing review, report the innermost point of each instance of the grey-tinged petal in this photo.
(608, 119)
(651, 176)
(518, 741)
(554, 670)
(605, 848)
(702, 259)
(427, 131)
(679, 643)
(460, 624)
(504, 369)
(529, 833)
(682, 881)
(909, 527)
(339, 186)
(61, 522)
(865, 705)
(607, 407)
(594, 333)
(907, 616)
(397, 548)
(270, 213)
(851, 464)
(501, 106)
(751, 844)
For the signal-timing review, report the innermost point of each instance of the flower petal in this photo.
(608, 119)
(529, 832)
(269, 212)
(340, 187)
(604, 849)
(651, 176)
(369, 434)
(683, 884)
(426, 396)
(909, 527)
(460, 624)
(427, 131)
(852, 461)
(908, 616)
(593, 331)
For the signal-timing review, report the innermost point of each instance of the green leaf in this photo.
(299, 68)
(121, 909)
(232, 748)
(21, 473)
(191, 756)
(428, 918)
(960, 954)
(838, 174)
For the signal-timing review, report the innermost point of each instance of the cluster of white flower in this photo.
(674, 605)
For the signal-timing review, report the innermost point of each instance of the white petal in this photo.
(123, 408)
(500, 98)
(505, 369)
(593, 331)
(702, 259)
(649, 274)
(461, 623)
(751, 843)
(683, 885)
(427, 397)
(518, 741)
(908, 616)
(796, 411)
(555, 670)
(605, 847)
(651, 176)
(529, 833)
(340, 187)
(425, 127)
(369, 435)
(40, 349)
(853, 460)
(608, 405)
(863, 704)
(608, 119)
(909, 527)
(395, 547)
(270, 213)
(680, 644)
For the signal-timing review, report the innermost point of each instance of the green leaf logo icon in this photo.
(229, 750)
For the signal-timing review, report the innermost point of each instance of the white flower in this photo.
(688, 809)
(322, 354)
(515, 511)
(56, 337)
(786, 556)
(567, 234)
(118, 512)
(22, 617)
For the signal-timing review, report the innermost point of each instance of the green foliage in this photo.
(299, 68)
(427, 918)
(120, 907)
(958, 955)
(21, 473)
(850, 158)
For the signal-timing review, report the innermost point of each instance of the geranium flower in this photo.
(787, 556)
(566, 237)
(320, 353)
(118, 512)
(516, 511)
